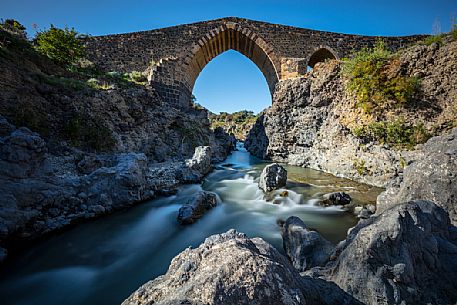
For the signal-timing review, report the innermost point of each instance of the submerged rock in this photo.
(196, 207)
(337, 198)
(406, 255)
(304, 247)
(273, 176)
(232, 269)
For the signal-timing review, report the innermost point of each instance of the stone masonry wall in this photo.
(175, 56)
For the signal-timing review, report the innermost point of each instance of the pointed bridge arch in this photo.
(184, 70)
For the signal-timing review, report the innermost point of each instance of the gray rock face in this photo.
(232, 269)
(224, 144)
(273, 176)
(196, 207)
(432, 176)
(42, 192)
(21, 152)
(337, 198)
(304, 247)
(309, 121)
(405, 255)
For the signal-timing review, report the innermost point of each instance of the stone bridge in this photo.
(173, 57)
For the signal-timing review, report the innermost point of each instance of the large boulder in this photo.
(304, 247)
(406, 255)
(232, 269)
(196, 207)
(199, 165)
(273, 176)
(431, 177)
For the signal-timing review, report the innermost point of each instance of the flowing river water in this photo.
(103, 261)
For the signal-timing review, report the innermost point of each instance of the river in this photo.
(103, 261)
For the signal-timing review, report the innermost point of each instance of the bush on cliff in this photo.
(83, 131)
(373, 77)
(63, 46)
(396, 133)
(13, 26)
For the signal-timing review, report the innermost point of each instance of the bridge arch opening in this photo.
(320, 55)
(231, 37)
(231, 83)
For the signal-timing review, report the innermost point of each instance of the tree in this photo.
(14, 27)
(64, 46)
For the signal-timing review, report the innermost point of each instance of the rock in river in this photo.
(196, 207)
(337, 198)
(273, 177)
(304, 247)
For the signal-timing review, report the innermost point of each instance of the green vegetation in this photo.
(13, 26)
(396, 133)
(64, 82)
(84, 132)
(238, 123)
(372, 77)
(434, 39)
(64, 46)
(402, 162)
(359, 166)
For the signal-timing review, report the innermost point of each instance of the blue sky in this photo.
(231, 82)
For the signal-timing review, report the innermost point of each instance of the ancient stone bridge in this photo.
(175, 56)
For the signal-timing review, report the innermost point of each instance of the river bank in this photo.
(81, 265)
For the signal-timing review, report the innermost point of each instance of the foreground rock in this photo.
(432, 176)
(232, 269)
(196, 207)
(273, 176)
(304, 247)
(406, 255)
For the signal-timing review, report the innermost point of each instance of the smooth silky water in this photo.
(103, 261)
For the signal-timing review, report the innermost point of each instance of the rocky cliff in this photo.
(71, 151)
(313, 119)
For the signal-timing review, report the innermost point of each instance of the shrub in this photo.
(137, 77)
(397, 133)
(64, 46)
(14, 27)
(83, 132)
(370, 79)
(359, 166)
(434, 39)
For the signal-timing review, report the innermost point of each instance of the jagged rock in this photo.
(431, 177)
(337, 198)
(225, 143)
(304, 247)
(405, 255)
(199, 165)
(273, 176)
(232, 269)
(89, 163)
(21, 152)
(364, 213)
(196, 207)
